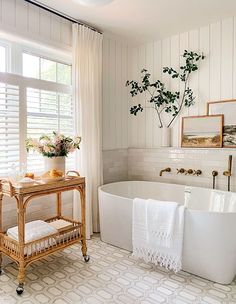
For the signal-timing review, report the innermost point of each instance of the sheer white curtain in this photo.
(87, 93)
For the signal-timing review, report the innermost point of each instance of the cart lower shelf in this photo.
(41, 247)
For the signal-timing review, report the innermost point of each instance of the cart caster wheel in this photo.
(20, 289)
(86, 258)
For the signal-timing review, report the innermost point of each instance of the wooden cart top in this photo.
(11, 189)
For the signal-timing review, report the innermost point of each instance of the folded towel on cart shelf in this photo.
(60, 225)
(33, 231)
(37, 230)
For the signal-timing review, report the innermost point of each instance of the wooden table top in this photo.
(12, 188)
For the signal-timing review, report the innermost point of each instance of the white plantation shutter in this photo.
(48, 111)
(66, 123)
(9, 128)
(30, 108)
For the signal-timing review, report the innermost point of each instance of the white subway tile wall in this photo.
(145, 164)
(115, 165)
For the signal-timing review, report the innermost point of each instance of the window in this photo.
(45, 69)
(31, 104)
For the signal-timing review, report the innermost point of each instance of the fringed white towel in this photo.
(158, 232)
(139, 233)
(161, 221)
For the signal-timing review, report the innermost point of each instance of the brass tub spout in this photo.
(165, 170)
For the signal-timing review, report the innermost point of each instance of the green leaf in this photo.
(135, 109)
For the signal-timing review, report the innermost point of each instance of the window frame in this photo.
(7, 46)
(14, 76)
(57, 61)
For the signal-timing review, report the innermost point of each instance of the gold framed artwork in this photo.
(228, 109)
(202, 131)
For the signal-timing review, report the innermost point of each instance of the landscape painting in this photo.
(202, 131)
(228, 109)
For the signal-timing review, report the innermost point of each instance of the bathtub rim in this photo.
(143, 181)
(120, 182)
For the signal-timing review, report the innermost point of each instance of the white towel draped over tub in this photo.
(158, 232)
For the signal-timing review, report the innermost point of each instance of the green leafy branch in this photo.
(162, 99)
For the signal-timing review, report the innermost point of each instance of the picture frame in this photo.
(228, 109)
(202, 131)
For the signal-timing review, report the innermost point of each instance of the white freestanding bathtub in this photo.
(209, 249)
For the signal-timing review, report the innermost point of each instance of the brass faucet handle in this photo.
(190, 171)
(227, 173)
(181, 171)
(214, 173)
(197, 172)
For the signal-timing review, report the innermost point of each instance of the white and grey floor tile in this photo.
(112, 276)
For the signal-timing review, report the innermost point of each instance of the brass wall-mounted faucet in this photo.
(165, 170)
(228, 173)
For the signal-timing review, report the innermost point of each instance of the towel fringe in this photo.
(157, 258)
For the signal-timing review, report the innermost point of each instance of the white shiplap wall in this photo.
(215, 79)
(116, 63)
(116, 71)
(27, 21)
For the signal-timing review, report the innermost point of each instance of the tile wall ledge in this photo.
(115, 149)
(233, 150)
(179, 148)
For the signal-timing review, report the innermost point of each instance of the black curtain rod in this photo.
(59, 14)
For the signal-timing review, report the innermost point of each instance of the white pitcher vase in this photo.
(58, 163)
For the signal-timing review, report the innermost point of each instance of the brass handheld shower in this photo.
(228, 173)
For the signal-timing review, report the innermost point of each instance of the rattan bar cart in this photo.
(26, 253)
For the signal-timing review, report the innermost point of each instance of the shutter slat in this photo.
(9, 127)
(47, 112)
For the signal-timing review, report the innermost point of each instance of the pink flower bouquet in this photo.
(53, 146)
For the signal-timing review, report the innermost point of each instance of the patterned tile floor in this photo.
(112, 276)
